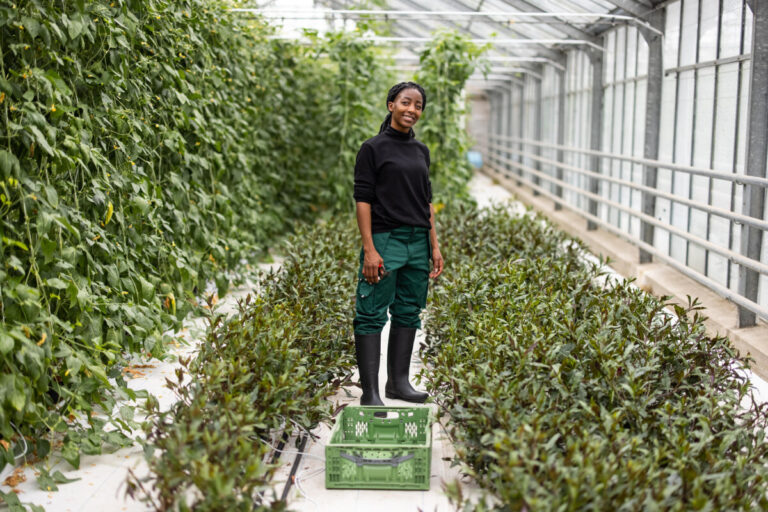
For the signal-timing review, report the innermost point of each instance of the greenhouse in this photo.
(422, 255)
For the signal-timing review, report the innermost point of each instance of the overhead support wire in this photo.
(500, 42)
(511, 16)
(493, 58)
(492, 71)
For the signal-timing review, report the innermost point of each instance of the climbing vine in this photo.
(148, 148)
(446, 64)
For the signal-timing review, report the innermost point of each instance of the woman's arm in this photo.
(372, 260)
(437, 257)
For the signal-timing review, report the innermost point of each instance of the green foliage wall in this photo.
(446, 64)
(148, 147)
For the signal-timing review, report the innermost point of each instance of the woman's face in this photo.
(406, 109)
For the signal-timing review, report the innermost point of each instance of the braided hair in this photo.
(392, 95)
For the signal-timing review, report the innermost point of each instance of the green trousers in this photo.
(406, 252)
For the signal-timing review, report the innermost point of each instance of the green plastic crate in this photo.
(380, 448)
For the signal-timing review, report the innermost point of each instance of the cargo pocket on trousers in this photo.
(366, 297)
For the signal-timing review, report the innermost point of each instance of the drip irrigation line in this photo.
(295, 467)
(293, 452)
(24, 452)
(279, 449)
(299, 476)
(259, 499)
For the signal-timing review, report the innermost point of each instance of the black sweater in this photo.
(392, 174)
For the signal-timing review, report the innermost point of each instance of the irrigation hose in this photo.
(24, 452)
(294, 452)
(295, 467)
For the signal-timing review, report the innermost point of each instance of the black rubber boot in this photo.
(398, 366)
(368, 351)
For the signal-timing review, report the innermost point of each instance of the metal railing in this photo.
(505, 145)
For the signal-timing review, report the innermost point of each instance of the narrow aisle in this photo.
(308, 494)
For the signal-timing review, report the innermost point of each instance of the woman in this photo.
(396, 220)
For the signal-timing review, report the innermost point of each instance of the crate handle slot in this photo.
(394, 461)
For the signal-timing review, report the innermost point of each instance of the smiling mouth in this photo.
(409, 117)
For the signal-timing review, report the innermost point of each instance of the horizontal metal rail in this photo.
(493, 58)
(485, 40)
(720, 212)
(740, 179)
(680, 267)
(508, 15)
(732, 256)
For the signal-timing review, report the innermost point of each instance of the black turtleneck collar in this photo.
(397, 133)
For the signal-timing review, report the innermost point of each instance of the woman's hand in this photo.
(437, 263)
(371, 263)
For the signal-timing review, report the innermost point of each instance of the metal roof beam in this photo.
(462, 11)
(431, 15)
(544, 50)
(477, 9)
(525, 6)
(501, 42)
(463, 7)
(471, 32)
(639, 8)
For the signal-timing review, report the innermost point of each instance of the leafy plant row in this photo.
(566, 394)
(445, 65)
(268, 368)
(148, 147)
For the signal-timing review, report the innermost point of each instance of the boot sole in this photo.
(393, 396)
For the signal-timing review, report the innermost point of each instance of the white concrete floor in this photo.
(311, 495)
(101, 487)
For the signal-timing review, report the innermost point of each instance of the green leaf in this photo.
(71, 453)
(52, 196)
(98, 372)
(40, 139)
(6, 87)
(73, 364)
(20, 245)
(9, 164)
(13, 502)
(126, 413)
(75, 28)
(17, 399)
(63, 222)
(31, 26)
(6, 342)
(56, 283)
(48, 481)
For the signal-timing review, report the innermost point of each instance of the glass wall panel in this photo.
(708, 30)
(730, 28)
(703, 123)
(549, 104)
(762, 295)
(672, 35)
(747, 39)
(577, 111)
(688, 33)
(608, 56)
(702, 157)
(631, 53)
(741, 152)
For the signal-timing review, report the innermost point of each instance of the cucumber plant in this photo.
(148, 147)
